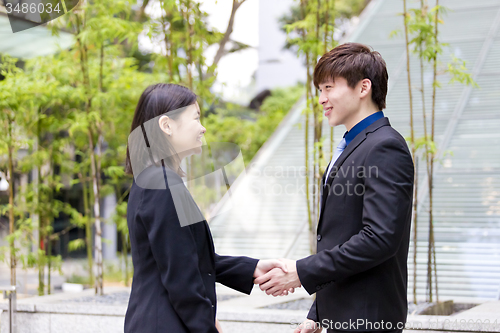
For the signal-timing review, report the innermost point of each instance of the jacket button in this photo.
(318, 287)
(319, 238)
(209, 274)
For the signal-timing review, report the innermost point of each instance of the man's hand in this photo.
(264, 266)
(217, 325)
(308, 326)
(277, 281)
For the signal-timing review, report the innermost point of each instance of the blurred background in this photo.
(70, 80)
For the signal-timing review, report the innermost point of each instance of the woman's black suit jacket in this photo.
(175, 268)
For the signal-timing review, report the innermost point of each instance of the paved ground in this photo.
(248, 314)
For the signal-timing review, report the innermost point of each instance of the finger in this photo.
(267, 285)
(274, 290)
(279, 293)
(272, 284)
(263, 278)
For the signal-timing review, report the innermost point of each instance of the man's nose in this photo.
(322, 99)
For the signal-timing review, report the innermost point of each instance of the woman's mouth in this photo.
(328, 111)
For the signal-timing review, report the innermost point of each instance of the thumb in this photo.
(281, 264)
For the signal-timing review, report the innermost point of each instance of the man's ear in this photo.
(165, 125)
(366, 87)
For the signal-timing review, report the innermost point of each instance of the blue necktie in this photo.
(338, 152)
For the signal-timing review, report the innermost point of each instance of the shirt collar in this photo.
(363, 124)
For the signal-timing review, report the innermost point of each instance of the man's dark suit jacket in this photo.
(175, 268)
(360, 268)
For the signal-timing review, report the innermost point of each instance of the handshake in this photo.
(277, 277)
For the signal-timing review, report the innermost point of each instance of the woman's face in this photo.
(185, 132)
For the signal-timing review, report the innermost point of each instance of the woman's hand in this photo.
(217, 325)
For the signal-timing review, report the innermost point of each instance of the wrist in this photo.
(255, 269)
(297, 283)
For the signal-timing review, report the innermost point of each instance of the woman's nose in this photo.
(203, 129)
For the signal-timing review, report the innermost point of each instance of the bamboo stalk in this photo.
(318, 122)
(423, 10)
(95, 187)
(333, 29)
(50, 220)
(88, 231)
(431, 190)
(97, 223)
(41, 232)
(413, 153)
(168, 45)
(10, 149)
(303, 5)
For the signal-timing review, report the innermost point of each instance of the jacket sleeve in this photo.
(387, 204)
(235, 272)
(313, 314)
(174, 251)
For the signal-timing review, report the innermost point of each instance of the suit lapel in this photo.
(323, 180)
(338, 163)
(348, 151)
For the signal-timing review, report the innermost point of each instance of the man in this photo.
(359, 273)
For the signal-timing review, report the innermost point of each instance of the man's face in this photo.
(340, 102)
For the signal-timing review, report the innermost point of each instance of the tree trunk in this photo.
(229, 30)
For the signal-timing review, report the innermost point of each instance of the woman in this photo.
(175, 266)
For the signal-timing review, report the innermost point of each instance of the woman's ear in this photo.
(165, 125)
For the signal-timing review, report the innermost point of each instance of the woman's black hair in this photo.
(156, 100)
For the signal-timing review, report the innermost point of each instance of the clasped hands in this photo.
(277, 277)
